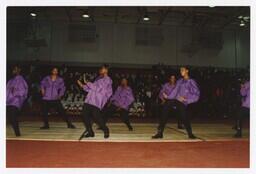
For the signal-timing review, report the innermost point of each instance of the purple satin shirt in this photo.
(245, 93)
(167, 88)
(53, 90)
(122, 97)
(16, 91)
(186, 88)
(98, 92)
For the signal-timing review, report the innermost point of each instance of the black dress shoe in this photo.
(192, 136)
(235, 127)
(106, 133)
(180, 126)
(158, 135)
(71, 126)
(45, 127)
(87, 135)
(17, 134)
(130, 128)
(238, 135)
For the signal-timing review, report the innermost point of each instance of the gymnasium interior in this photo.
(144, 44)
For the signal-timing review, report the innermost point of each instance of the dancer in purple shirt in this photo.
(16, 93)
(185, 92)
(244, 110)
(120, 103)
(53, 89)
(167, 89)
(99, 93)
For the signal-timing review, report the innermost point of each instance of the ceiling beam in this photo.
(116, 14)
(205, 22)
(186, 17)
(47, 16)
(140, 15)
(67, 10)
(219, 11)
(202, 23)
(194, 20)
(163, 15)
(91, 11)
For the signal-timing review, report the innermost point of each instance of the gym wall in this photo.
(129, 44)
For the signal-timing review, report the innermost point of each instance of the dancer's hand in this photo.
(119, 108)
(80, 83)
(109, 104)
(163, 101)
(59, 98)
(84, 79)
(42, 92)
(181, 99)
(165, 96)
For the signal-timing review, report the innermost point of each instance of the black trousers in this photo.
(181, 109)
(172, 112)
(242, 113)
(124, 114)
(91, 113)
(12, 117)
(53, 104)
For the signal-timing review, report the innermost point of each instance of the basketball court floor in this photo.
(60, 147)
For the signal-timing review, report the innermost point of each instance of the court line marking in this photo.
(127, 141)
(197, 137)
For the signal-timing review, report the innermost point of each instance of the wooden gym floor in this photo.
(119, 132)
(59, 147)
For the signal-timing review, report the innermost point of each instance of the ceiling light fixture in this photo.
(246, 18)
(242, 24)
(146, 17)
(85, 15)
(33, 14)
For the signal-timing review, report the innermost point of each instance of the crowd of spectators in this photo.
(219, 87)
